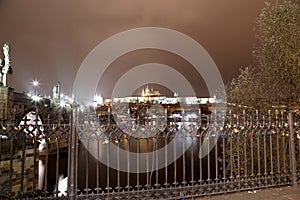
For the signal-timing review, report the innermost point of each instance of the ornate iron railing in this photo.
(154, 157)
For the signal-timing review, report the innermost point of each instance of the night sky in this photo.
(50, 39)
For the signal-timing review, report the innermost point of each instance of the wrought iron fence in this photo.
(154, 157)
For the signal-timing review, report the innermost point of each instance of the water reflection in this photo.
(186, 168)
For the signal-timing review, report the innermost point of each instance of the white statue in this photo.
(6, 63)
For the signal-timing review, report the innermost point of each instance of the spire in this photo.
(56, 92)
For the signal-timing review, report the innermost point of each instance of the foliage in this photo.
(243, 89)
(275, 78)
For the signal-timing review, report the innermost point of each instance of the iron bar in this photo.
(23, 165)
(86, 189)
(57, 167)
(45, 183)
(292, 148)
(11, 164)
(72, 179)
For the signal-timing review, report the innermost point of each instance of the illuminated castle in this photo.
(150, 92)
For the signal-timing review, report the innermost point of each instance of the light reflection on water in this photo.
(182, 167)
(88, 165)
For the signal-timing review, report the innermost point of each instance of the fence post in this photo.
(72, 186)
(292, 147)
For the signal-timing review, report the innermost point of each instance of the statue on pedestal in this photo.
(6, 66)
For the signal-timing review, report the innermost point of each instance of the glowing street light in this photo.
(36, 98)
(62, 103)
(35, 83)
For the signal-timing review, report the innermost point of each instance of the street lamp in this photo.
(35, 84)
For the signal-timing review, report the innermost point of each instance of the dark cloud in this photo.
(50, 39)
